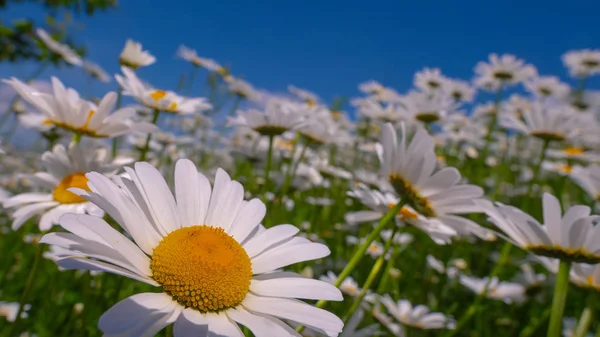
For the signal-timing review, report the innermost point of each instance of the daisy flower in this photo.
(502, 71)
(572, 236)
(96, 71)
(548, 86)
(191, 55)
(429, 79)
(564, 169)
(545, 121)
(588, 178)
(204, 247)
(62, 50)
(573, 153)
(586, 276)
(460, 90)
(311, 99)
(426, 108)
(508, 292)
(9, 310)
(277, 118)
(371, 87)
(436, 195)
(66, 110)
(380, 204)
(157, 99)
(65, 169)
(380, 111)
(418, 317)
(242, 89)
(133, 56)
(348, 286)
(582, 63)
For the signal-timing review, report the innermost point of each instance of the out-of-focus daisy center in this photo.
(427, 117)
(407, 191)
(573, 151)
(405, 213)
(503, 75)
(61, 193)
(202, 267)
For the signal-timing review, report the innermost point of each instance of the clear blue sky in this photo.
(330, 47)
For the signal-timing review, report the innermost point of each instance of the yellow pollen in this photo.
(222, 71)
(157, 95)
(336, 114)
(311, 103)
(202, 267)
(573, 151)
(48, 122)
(590, 280)
(62, 195)
(564, 168)
(404, 212)
(284, 144)
(172, 106)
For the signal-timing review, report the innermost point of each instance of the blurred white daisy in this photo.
(545, 121)
(348, 286)
(509, 292)
(65, 109)
(217, 266)
(277, 118)
(589, 179)
(157, 99)
(311, 99)
(63, 50)
(426, 108)
(65, 169)
(133, 56)
(9, 310)
(502, 71)
(572, 236)
(548, 86)
(242, 89)
(191, 55)
(460, 91)
(429, 79)
(96, 71)
(582, 63)
(418, 317)
(437, 195)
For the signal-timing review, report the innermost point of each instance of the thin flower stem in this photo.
(144, 152)
(291, 172)
(535, 177)
(371, 278)
(587, 316)
(492, 125)
(558, 300)
(268, 167)
(27, 290)
(466, 317)
(360, 252)
(169, 330)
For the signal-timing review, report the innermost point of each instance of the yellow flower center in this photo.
(405, 213)
(573, 151)
(564, 168)
(61, 193)
(590, 280)
(311, 103)
(202, 267)
(157, 95)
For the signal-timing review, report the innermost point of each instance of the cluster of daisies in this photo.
(144, 190)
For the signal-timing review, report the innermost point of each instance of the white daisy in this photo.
(96, 71)
(571, 236)
(157, 99)
(548, 122)
(582, 63)
(573, 153)
(278, 117)
(437, 195)
(191, 55)
(65, 109)
(348, 286)
(216, 265)
(586, 275)
(311, 99)
(242, 89)
(9, 310)
(63, 50)
(65, 169)
(460, 90)
(588, 178)
(426, 108)
(380, 204)
(548, 86)
(502, 71)
(509, 292)
(416, 317)
(429, 79)
(133, 56)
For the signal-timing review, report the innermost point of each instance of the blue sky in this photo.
(330, 47)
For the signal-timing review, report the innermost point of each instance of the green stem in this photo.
(492, 125)
(268, 168)
(360, 252)
(535, 324)
(585, 320)
(558, 300)
(76, 137)
(534, 178)
(149, 137)
(291, 172)
(466, 317)
(371, 278)
(27, 290)
(169, 330)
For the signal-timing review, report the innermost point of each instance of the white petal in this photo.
(287, 254)
(552, 216)
(261, 325)
(141, 315)
(296, 287)
(159, 197)
(266, 239)
(249, 216)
